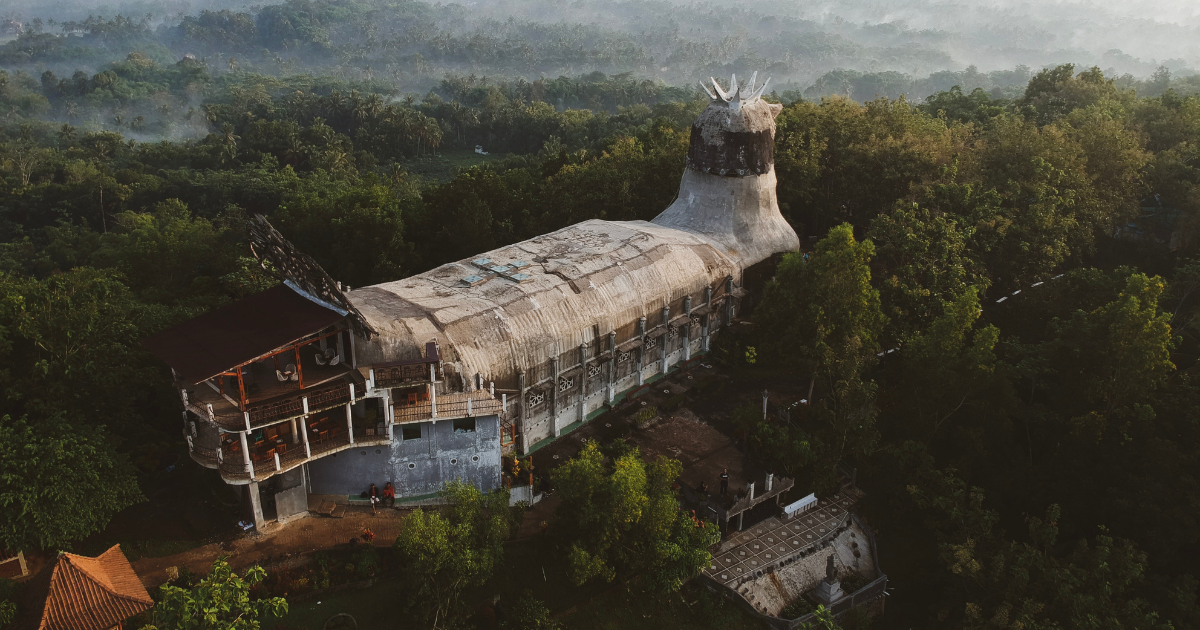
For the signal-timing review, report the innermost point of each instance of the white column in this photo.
(277, 461)
(295, 436)
(340, 348)
(256, 506)
(349, 423)
(246, 454)
(432, 400)
(304, 436)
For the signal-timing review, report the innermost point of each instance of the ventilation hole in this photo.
(411, 466)
(475, 458)
(377, 451)
(363, 453)
(454, 461)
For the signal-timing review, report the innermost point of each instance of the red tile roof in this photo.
(81, 593)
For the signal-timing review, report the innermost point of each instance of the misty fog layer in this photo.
(851, 47)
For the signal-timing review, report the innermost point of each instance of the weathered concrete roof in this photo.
(596, 273)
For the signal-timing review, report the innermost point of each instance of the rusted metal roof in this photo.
(236, 333)
(81, 593)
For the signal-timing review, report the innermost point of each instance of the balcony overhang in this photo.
(237, 333)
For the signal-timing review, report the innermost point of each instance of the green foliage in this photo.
(824, 620)
(621, 515)
(445, 552)
(780, 446)
(45, 467)
(8, 605)
(645, 415)
(222, 600)
(528, 613)
(824, 322)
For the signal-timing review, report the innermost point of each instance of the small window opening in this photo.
(464, 425)
(410, 432)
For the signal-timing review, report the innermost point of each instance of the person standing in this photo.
(374, 496)
(724, 481)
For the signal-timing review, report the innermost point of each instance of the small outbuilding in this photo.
(82, 593)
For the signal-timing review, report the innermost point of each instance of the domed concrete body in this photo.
(600, 291)
(728, 188)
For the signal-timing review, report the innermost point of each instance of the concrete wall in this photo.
(538, 424)
(418, 466)
(291, 499)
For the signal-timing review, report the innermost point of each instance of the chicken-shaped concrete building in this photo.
(430, 378)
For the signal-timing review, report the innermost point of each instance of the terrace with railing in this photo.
(410, 372)
(276, 450)
(270, 405)
(457, 405)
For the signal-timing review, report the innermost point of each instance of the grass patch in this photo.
(372, 607)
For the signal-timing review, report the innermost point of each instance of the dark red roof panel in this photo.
(229, 336)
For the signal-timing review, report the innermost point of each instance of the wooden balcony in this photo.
(280, 452)
(447, 406)
(276, 402)
(394, 375)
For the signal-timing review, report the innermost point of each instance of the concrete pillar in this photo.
(611, 392)
(341, 349)
(295, 434)
(687, 328)
(432, 400)
(641, 330)
(741, 515)
(704, 332)
(728, 300)
(770, 481)
(583, 379)
(349, 423)
(750, 490)
(764, 404)
(255, 506)
(662, 344)
(304, 436)
(353, 355)
(246, 454)
(521, 414)
(554, 397)
(388, 420)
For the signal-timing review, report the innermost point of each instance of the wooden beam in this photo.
(299, 371)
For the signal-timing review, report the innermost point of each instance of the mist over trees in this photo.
(1022, 232)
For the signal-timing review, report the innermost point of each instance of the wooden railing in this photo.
(396, 375)
(463, 405)
(319, 399)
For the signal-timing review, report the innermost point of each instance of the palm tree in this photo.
(66, 133)
(228, 142)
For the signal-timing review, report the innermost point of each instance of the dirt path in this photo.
(279, 542)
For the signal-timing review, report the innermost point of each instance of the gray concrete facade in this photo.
(416, 466)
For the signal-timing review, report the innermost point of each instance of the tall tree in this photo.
(445, 552)
(621, 516)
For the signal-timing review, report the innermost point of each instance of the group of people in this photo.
(724, 484)
(387, 497)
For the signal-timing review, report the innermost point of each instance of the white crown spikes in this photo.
(736, 97)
